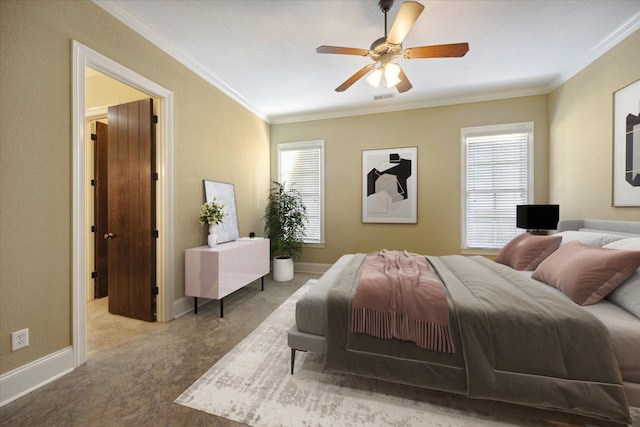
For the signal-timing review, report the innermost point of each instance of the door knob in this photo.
(109, 236)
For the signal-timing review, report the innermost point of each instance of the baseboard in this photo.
(311, 267)
(25, 379)
(184, 305)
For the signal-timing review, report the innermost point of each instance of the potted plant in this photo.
(285, 222)
(212, 214)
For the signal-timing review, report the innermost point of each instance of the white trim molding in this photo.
(185, 305)
(23, 380)
(621, 33)
(85, 57)
(177, 53)
(311, 267)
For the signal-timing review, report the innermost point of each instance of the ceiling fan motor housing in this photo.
(382, 51)
(385, 5)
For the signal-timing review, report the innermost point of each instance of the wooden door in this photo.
(100, 209)
(132, 217)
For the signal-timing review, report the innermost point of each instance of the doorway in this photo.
(121, 149)
(85, 57)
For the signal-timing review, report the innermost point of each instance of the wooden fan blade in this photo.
(342, 50)
(437, 51)
(357, 76)
(404, 84)
(407, 16)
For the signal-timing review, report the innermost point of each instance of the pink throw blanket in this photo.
(399, 297)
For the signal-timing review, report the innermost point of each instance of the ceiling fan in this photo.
(386, 49)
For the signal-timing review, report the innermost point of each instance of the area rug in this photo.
(252, 384)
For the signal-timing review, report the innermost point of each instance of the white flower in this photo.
(211, 213)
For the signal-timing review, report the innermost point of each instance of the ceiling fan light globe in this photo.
(391, 70)
(391, 81)
(374, 78)
(391, 74)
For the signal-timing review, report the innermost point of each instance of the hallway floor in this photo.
(136, 369)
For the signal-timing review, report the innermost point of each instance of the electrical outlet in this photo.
(19, 339)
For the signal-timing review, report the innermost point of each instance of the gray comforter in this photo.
(521, 342)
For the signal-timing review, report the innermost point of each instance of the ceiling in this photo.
(262, 52)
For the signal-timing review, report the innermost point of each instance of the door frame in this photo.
(86, 57)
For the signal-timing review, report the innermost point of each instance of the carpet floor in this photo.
(135, 369)
(252, 384)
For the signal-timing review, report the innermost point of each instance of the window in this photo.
(497, 175)
(301, 165)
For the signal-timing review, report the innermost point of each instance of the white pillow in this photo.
(628, 243)
(588, 237)
(627, 295)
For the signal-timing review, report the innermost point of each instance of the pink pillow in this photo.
(585, 273)
(526, 251)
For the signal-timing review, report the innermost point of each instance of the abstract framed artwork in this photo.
(389, 185)
(224, 192)
(626, 146)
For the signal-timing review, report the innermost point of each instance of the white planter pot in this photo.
(282, 269)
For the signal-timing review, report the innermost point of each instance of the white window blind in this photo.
(301, 166)
(497, 177)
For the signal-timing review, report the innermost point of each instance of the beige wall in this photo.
(102, 91)
(214, 138)
(581, 135)
(436, 133)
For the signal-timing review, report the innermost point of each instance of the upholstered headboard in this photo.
(627, 228)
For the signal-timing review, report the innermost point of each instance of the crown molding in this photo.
(629, 27)
(427, 103)
(115, 10)
(609, 42)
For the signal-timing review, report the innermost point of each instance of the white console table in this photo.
(219, 271)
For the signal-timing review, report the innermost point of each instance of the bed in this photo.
(534, 357)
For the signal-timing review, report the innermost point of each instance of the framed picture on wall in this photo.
(389, 185)
(224, 193)
(626, 146)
